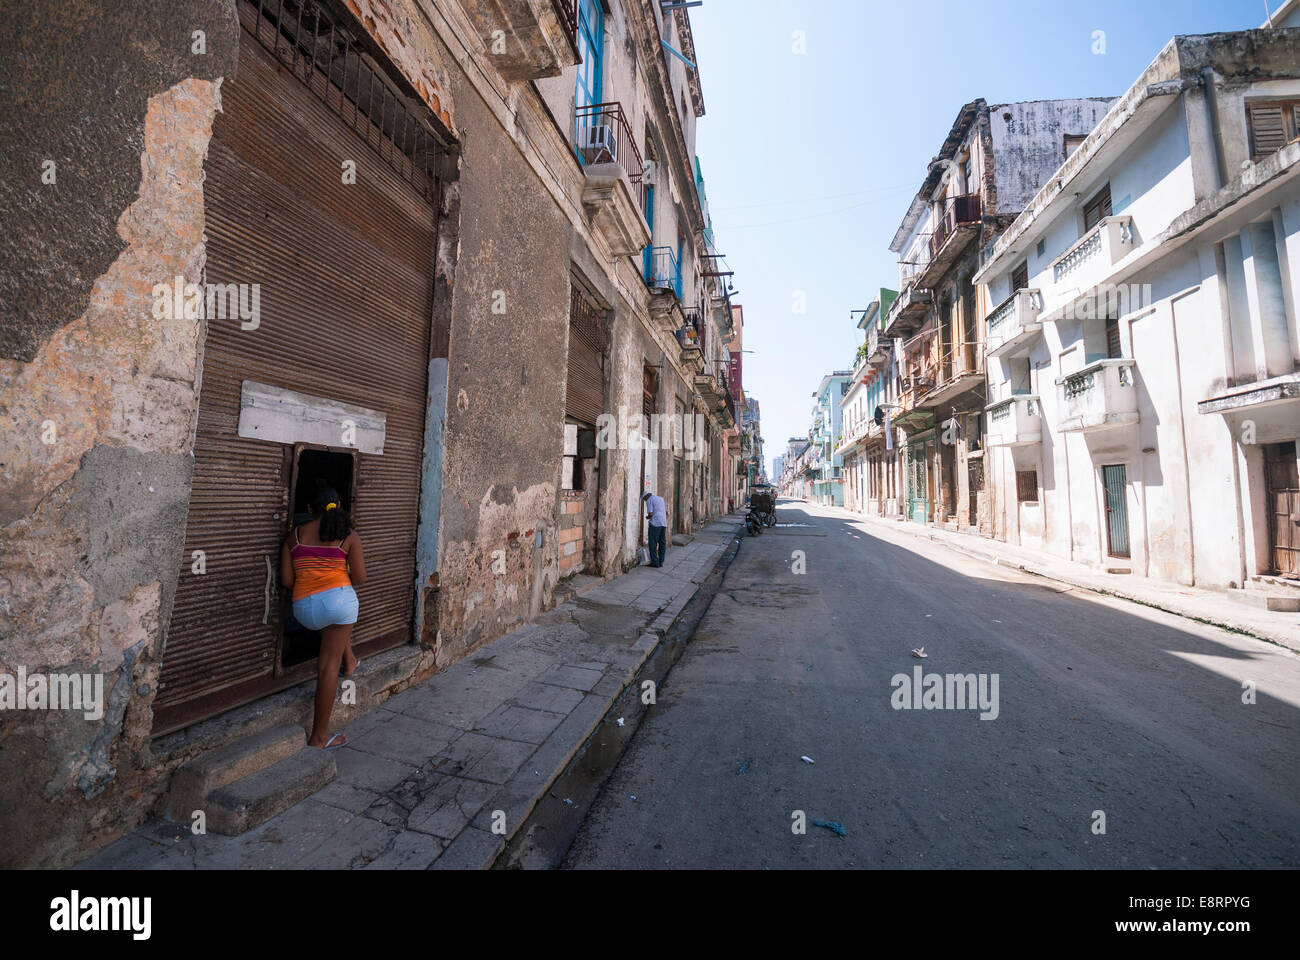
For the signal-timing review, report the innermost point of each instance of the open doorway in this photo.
(312, 467)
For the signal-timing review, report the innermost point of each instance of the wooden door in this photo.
(1284, 507)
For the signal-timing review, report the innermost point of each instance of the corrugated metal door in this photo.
(345, 272)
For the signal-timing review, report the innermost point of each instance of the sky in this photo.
(811, 157)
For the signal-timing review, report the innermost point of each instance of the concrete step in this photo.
(249, 802)
(1283, 586)
(1276, 599)
(194, 781)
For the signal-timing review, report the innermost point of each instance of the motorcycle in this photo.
(763, 502)
(762, 511)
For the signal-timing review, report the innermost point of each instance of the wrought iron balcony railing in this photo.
(662, 271)
(567, 12)
(953, 212)
(602, 135)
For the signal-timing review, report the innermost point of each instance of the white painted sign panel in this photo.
(286, 416)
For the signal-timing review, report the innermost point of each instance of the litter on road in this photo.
(834, 825)
(920, 652)
(807, 759)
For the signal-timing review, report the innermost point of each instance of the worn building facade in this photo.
(991, 164)
(870, 443)
(1141, 315)
(824, 464)
(417, 248)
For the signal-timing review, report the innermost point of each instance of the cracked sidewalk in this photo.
(427, 775)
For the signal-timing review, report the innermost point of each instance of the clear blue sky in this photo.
(811, 159)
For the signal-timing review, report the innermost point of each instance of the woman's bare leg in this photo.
(334, 640)
(349, 659)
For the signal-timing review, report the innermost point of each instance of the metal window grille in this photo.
(317, 46)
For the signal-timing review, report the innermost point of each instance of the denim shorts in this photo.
(327, 608)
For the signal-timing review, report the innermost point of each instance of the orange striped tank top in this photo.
(317, 569)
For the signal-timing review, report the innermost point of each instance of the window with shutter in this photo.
(1112, 340)
(1020, 276)
(1097, 209)
(1027, 486)
(648, 392)
(1272, 126)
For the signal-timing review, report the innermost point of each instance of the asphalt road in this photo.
(1102, 705)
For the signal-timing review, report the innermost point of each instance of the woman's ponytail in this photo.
(335, 523)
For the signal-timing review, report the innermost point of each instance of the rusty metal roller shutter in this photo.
(585, 391)
(346, 279)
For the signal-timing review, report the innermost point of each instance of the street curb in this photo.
(543, 837)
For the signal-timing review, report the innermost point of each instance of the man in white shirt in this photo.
(656, 511)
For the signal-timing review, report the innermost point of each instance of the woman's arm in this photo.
(286, 565)
(356, 561)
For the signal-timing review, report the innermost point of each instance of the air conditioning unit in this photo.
(598, 144)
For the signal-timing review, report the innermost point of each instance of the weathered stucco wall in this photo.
(504, 427)
(1029, 143)
(97, 397)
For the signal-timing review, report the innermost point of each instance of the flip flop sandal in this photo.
(331, 745)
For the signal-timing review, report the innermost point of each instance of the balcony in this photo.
(725, 416)
(540, 37)
(879, 347)
(662, 272)
(957, 369)
(1016, 421)
(1014, 323)
(710, 391)
(855, 435)
(1101, 395)
(612, 196)
(956, 223)
(692, 353)
(688, 333)
(1090, 260)
(907, 312)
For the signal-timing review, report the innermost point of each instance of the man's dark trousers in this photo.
(658, 545)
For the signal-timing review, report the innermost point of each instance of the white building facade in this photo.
(1140, 319)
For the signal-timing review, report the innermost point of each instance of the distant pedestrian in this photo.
(321, 562)
(656, 511)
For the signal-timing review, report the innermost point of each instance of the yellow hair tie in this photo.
(330, 506)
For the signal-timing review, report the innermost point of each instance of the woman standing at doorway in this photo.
(321, 562)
